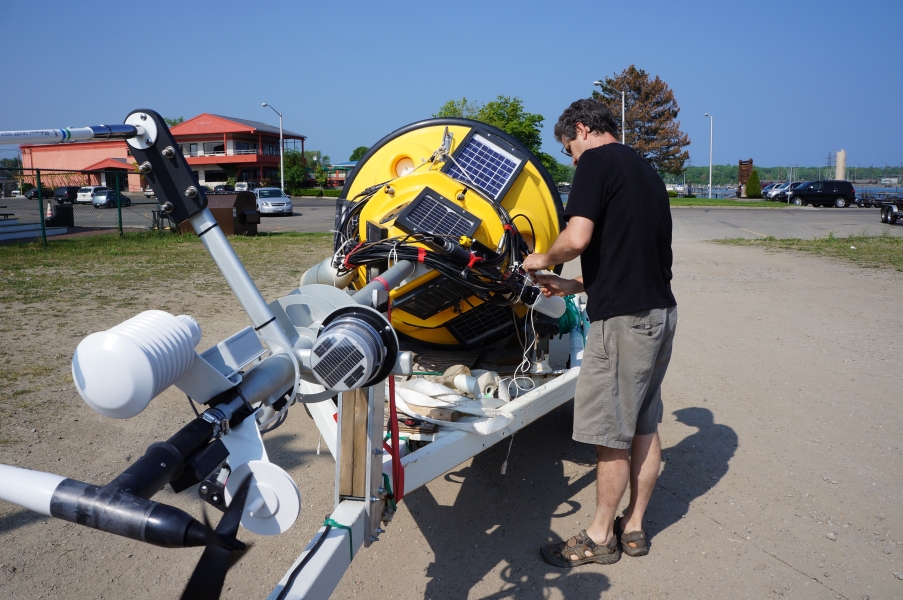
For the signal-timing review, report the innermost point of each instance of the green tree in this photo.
(461, 109)
(652, 128)
(295, 169)
(508, 114)
(753, 187)
(173, 122)
(358, 153)
(315, 157)
(320, 175)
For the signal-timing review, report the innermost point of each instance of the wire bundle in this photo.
(491, 275)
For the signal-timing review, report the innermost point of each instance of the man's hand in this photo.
(553, 285)
(534, 262)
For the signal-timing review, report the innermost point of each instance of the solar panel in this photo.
(340, 360)
(431, 298)
(486, 322)
(486, 165)
(432, 214)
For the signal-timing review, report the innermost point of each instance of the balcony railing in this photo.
(200, 153)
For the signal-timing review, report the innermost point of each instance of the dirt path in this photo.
(782, 431)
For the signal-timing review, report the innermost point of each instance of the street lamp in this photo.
(711, 131)
(602, 85)
(281, 158)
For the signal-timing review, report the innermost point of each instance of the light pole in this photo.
(602, 86)
(711, 138)
(281, 158)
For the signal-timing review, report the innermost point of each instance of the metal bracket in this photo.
(171, 178)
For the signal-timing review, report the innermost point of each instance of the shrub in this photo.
(672, 194)
(753, 187)
(689, 195)
(331, 193)
(317, 193)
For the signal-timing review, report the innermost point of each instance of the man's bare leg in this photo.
(612, 474)
(645, 463)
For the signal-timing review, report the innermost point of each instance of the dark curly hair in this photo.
(591, 113)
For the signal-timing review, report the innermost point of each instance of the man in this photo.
(619, 223)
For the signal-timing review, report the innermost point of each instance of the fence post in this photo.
(118, 202)
(40, 192)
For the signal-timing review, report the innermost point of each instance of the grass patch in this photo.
(84, 270)
(870, 251)
(724, 202)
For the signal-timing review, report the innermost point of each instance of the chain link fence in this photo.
(44, 203)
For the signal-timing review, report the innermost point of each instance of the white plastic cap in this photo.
(553, 306)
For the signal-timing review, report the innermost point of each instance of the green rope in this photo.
(427, 373)
(332, 523)
(571, 319)
(389, 491)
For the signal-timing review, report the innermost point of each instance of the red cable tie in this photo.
(382, 281)
(421, 254)
(347, 256)
(474, 259)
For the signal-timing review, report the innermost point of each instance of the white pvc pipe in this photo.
(47, 136)
(29, 489)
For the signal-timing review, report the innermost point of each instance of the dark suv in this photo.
(65, 194)
(828, 192)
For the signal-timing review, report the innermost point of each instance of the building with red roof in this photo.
(216, 147)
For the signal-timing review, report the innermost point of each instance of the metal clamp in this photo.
(218, 419)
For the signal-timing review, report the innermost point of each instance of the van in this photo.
(246, 186)
(65, 193)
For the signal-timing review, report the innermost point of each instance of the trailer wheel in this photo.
(884, 214)
(891, 216)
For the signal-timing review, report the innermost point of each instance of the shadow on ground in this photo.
(692, 468)
(503, 519)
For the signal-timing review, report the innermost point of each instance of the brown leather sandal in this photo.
(574, 552)
(638, 538)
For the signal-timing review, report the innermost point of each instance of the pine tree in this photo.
(753, 187)
(652, 127)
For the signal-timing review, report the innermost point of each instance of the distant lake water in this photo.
(564, 198)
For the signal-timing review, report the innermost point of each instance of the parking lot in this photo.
(805, 223)
(312, 215)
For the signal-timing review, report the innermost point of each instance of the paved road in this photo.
(318, 214)
(717, 223)
(313, 215)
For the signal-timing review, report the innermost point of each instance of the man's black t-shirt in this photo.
(627, 265)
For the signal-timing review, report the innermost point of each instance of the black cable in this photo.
(297, 570)
(532, 231)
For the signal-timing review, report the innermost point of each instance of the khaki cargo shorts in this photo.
(619, 389)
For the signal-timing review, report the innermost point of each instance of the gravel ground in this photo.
(781, 442)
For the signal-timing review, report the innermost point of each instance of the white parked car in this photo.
(781, 187)
(86, 194)
(273, 201)
(246, 186)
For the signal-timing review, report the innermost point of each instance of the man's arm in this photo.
(569, 245)
(553, 285)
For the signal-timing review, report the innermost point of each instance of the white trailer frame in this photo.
(323, 571)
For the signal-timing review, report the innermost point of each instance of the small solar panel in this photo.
(340, 360)
(432, 214)
(481, 324)
(485, 164)
(431, 298)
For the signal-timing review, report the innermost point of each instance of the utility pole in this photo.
(711, 138)
(603, 87)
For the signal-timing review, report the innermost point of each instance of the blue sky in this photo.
(786, 82)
